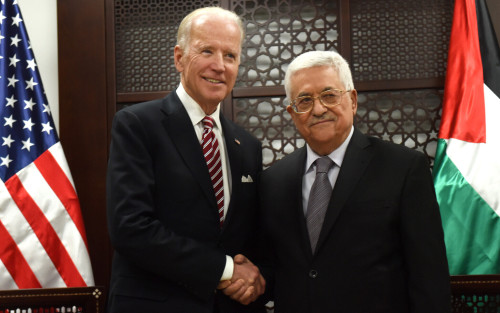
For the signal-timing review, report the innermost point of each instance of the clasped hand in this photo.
(247, 284)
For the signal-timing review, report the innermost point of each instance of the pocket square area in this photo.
(246, 179)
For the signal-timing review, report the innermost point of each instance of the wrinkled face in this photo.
(210, 66)
(324, 128)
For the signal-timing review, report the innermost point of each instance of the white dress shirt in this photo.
(196, 114)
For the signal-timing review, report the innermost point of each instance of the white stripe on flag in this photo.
(6, 281)
(56, 214)
(27, 242)
(58, 153)
(485, 155)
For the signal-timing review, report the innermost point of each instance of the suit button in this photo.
(313, 274)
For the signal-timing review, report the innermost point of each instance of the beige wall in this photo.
(40, 19)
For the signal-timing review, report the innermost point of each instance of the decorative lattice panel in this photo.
(399, 39)
(278, 31)
(145, 37)
(476, 303)
(267, 119)
(407, 117)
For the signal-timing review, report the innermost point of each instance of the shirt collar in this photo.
(336, 155)
(196, 114)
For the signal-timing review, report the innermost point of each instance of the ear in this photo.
(178, 54)
(290, 110)
(354, 101)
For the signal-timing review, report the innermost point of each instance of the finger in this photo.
(260, 285)
(248, 297)
(224, 284)
(234, 287)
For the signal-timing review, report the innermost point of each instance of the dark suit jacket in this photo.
(381, 248)
(162, 214)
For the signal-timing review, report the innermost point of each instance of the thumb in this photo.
(239, 259)
(224, 284)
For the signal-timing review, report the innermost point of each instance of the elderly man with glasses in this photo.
(351, 222)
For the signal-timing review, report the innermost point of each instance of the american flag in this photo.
(42, 236)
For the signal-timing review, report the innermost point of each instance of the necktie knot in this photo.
(208, 122)
(323, 165)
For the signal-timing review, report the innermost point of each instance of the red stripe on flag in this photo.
(45, 233)
(463, 103)
(62, 187)
(15, 262)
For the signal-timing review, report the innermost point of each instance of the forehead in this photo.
(215, 30)
(315, 79)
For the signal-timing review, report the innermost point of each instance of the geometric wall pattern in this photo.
(278, 31)
(388, 41)
(399, 39)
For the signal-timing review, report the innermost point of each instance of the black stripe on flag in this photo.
(488, 43)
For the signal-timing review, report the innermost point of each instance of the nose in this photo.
(218, 62)
(318, 108)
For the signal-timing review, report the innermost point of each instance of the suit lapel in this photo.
(354, 164)
(294, 177)
(233, 150)
(181, 131)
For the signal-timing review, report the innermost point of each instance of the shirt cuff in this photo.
(228, 270)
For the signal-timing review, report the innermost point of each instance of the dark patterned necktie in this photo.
(212, 156)
(319, 198)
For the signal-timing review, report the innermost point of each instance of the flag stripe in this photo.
(478, 163)
(29, 245)
(15, 263)
(490, 51)
(462, 117)
(45, 233)
(60, 184)
(6, 279)
(472, 230)
(57, 215)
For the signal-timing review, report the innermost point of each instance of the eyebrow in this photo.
(306, 94)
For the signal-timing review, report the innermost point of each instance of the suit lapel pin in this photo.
(237, 141)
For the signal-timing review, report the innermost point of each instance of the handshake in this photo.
(247, 284)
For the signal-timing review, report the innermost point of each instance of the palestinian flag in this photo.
(467, 165)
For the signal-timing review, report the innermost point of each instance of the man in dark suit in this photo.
(377, 245)
(181, 189)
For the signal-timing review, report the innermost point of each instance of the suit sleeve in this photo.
(135, 231)
(423, 242)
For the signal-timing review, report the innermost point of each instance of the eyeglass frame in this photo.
(294, 107)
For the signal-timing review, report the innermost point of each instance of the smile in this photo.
(322, 121)
(214, 81)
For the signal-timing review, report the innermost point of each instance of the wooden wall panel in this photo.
(83, 117)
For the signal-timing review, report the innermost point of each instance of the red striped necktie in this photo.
(212, 156)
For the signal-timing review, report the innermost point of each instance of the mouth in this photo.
(213, 81)
(322, 121)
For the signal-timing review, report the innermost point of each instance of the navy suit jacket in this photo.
(381, 248)
(162, 213)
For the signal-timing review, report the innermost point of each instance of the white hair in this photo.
(184, 31)
(319, 58)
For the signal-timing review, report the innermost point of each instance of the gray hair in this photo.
(184, 31)
(319, 58)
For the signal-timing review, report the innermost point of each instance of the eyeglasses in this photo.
(328, 98)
